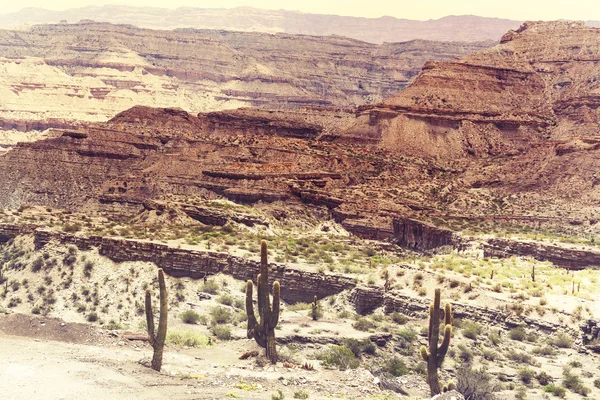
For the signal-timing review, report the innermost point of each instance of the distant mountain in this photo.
(374, 30)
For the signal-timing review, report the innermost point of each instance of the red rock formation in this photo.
(91, 71)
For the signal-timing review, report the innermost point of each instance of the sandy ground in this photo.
(44, 363)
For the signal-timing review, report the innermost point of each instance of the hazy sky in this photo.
(413, 9)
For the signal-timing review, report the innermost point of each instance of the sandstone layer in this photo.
(501, 132)
(57, 75)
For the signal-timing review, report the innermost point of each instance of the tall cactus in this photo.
(315, 308)
(434, 356)
(263, 331)
(157, 341)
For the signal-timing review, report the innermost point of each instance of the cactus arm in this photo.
(250, 311)
(434, 327)
(448, 318)
(444, 346)
(260, 293)
(150, 318)
(276, 300)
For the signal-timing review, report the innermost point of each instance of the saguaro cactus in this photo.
(533, 273)
(263, 331)
(434, 356)
(315, 309)
(157, 341)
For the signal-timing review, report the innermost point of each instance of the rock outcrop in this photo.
(486, 133)
(58, 75)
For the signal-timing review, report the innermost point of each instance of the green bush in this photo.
(573, 382)
(186, 338)
(396, 367)
(543, 378)
(556, 390)
(37, 264)
(221, 315)
(363, 324)
(522, 358)
(360, 346)
(339, 356)
(472, 330)
(210, 286)
(222, 332)
(526, 375)
(300, 395)
(92, 317)
(398, 318)
(225, 299)
(518, 333)
(190, 317)
(562, 340)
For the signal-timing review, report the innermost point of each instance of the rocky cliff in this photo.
(55, 75)
(497, 132)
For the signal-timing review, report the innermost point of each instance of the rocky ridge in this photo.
(433, 149)
(54, 76)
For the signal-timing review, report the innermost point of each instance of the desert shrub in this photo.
(544, 351)
(465, 354)
(92, 317)
(360, 346)
(597, 383)
(37, 264)
(221, 315)
(522, 358)
(339, 356)
(573, 382)
(475, 384)
(518, 333)
(278, 396)
(543, 378)
(454, 283)
(186, 338)
(113, 325)
(398, 318)
(575, 364)
(190, 317)
(521, 393)
(225, 299)
(222, 332)
(363, 324)
(490, 355)
(300, 395)
(36, 310)
(210, 286)
(396, 367)
(556, 390)
(88, 268)
(495, 338)
(562, 340)
(526, 375)
(472, 330)
(72, 228)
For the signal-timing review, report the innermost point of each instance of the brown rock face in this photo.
(489, 133)
(91, 71)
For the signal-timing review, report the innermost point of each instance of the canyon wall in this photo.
(57, 75)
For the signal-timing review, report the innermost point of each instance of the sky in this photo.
(413, 9)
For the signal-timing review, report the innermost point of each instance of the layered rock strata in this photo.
(57, 75)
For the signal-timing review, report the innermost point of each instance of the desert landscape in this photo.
(212, 214)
